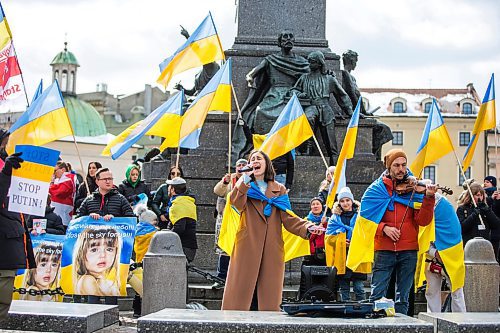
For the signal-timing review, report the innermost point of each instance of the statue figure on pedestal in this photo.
(315, 88)
(269, 83)
(381, 132)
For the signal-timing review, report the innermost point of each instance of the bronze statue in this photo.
(350, 60)
(202, 78)
(269, 84)
(316, 87)
(381, 132)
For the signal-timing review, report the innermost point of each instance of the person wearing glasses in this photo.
(161, 198)
(105, 202)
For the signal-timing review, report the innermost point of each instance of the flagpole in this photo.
(178, 156)
(321, 153)
(468, 186)
(230, 139)
(74, 139)
(22, 77)
(230, 127)
(496, 152)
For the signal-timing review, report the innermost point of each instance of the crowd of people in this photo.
(254, 271)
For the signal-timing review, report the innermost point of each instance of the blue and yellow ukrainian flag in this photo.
(164, 122)
(216, 96)
(294, 246)
(38, 91)
(46, 120)
(201, 48)
(5, 34)
(288, 132)
(486, 119)
(347, 152)
(144, 234)
(446, 233)
(435, 142)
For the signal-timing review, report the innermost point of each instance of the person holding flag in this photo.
(386, 231)
(257, 261)
(15, 241)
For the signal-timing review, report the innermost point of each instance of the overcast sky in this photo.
(401, 44)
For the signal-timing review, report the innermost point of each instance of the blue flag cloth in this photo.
(336, 226)
(316, 219)
(281, 202)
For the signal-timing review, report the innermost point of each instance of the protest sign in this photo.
(42, 283)
(96, 256)
(30, 183)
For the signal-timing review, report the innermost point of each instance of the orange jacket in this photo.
(409, 228)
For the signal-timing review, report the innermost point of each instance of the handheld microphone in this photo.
(246, 168)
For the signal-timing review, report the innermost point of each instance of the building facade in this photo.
(405, 112)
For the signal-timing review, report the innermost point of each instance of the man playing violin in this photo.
(396, 239)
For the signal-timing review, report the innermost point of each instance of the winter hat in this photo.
(391, 155)
(492, 180)
(345, 192)
(145, 215)
(241, 161)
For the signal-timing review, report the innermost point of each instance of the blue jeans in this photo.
(222, 266)
(281, 178)
(404, 263)
(345, 289)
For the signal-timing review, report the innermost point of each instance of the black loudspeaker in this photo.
(318, 284)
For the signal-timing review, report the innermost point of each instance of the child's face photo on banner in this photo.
(96, 256)
(42, 283)
(96, 262)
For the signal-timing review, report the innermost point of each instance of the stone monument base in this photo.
(59, 317)
(180, 321)
(471, 322)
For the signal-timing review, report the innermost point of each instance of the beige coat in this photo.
(258, 256)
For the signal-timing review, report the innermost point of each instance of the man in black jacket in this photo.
(181, 214)
(107, 203)
(15, 241)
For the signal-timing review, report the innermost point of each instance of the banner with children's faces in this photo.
(96, 256)
(43, 282)
(30, 183)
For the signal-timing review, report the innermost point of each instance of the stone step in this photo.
(187, 321)
(472, 322)
(59, 317)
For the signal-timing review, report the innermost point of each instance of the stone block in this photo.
(471, 322)
(481, 276)
(59, 317)
(165, 266)
(259, 22)
(206, 258)
(180, 321)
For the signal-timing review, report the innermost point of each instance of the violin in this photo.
(412, 184)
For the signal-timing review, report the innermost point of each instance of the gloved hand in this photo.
(483, 207)
(12, 162)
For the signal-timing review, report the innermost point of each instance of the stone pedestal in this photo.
(59, 317)
(260, 22)
(481, 276)
(180, 321)
(470, 322)
(165, 275)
